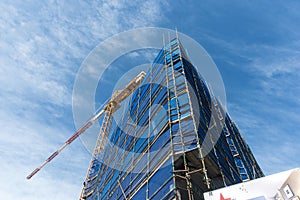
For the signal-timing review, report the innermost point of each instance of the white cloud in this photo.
(274, 60)
(24, 144)
(271, 132)
(267, 111)
(42, 45)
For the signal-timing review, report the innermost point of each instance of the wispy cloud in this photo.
(42, 46)
(268, 112)
(263, 86)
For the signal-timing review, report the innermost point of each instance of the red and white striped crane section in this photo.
(115, 101)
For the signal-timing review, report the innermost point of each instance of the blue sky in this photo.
(255, 45)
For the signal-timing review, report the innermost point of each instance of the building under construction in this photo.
(173, 141)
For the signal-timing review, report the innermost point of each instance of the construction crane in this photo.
(112, 105)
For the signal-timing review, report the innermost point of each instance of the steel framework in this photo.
(159, 150)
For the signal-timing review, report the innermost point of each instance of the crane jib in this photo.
(119, 96)
(79, 132)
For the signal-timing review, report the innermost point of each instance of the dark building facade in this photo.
(174, 140)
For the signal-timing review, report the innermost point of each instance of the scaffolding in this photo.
(159, 152)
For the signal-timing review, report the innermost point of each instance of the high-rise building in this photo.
(174, 140)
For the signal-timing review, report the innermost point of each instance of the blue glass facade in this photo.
(159, 148)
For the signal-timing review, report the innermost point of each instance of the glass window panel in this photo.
(183, 99)
(175, 128)
(159, 178)
(163, 139)
(159, 56)
(177, 65)
(141, 194)
(173, 102)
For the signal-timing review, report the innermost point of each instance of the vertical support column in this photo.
(203, 167)
(169, 119)
(135, 140)
(186, 167)
(104, 129)
(149, 135)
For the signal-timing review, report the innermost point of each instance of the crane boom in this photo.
(114, 102)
